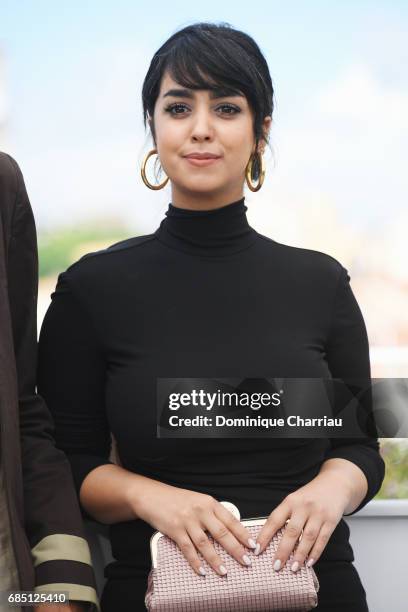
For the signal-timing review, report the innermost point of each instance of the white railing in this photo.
(379, 538)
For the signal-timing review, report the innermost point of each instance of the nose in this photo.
(202, 128)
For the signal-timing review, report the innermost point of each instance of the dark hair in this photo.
(208, 56)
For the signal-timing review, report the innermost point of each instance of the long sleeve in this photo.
(71, 378)
(348, 358)
(53, 522)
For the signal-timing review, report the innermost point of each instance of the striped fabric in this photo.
(61, 546)
(68, 557)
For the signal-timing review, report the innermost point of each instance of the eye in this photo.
(176, 108)
(229, 109)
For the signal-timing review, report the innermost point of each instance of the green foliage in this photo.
(395, 455)
(59, 249)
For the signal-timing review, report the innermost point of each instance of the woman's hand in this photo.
(185, 516)
(316, 508)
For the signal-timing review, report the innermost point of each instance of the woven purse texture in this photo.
(174, 586)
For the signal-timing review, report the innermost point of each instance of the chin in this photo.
(201, 185)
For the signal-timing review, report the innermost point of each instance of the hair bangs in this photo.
(197, 67)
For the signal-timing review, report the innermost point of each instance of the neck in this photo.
(218, 231)
(205, 200)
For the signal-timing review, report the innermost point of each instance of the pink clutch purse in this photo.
(173, 586)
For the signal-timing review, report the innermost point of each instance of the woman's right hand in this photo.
(185, 516)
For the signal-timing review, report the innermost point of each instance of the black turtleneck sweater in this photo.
(205, 295)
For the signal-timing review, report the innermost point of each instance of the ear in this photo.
(150, 123)
(267, 122)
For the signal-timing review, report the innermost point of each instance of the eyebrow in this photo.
(219, 92)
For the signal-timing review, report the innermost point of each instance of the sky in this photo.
(70, 85)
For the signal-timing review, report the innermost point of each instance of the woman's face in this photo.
(189, 122)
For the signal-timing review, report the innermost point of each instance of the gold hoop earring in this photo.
(144, 176)
(248, 172)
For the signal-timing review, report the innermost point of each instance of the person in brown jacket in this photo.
(42, 539)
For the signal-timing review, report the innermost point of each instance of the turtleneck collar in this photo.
(220, 231)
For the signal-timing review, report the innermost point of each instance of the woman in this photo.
(205, 295)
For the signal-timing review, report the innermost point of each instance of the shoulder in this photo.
(8, 167)
(15, 208)
(96, 268)
(11, 177)
(10, 180)
(302, 261)
(114, 253)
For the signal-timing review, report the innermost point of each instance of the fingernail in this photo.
(251, 543)
(202, 571)
(277, 564)
(310, 563)
(246, 560)
(257, 549)
(295, 566)
(223, 569)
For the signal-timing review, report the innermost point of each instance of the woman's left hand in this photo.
(316, 508)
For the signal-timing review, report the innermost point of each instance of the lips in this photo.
(202, 156)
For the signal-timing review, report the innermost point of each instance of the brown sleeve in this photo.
(53, 520)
